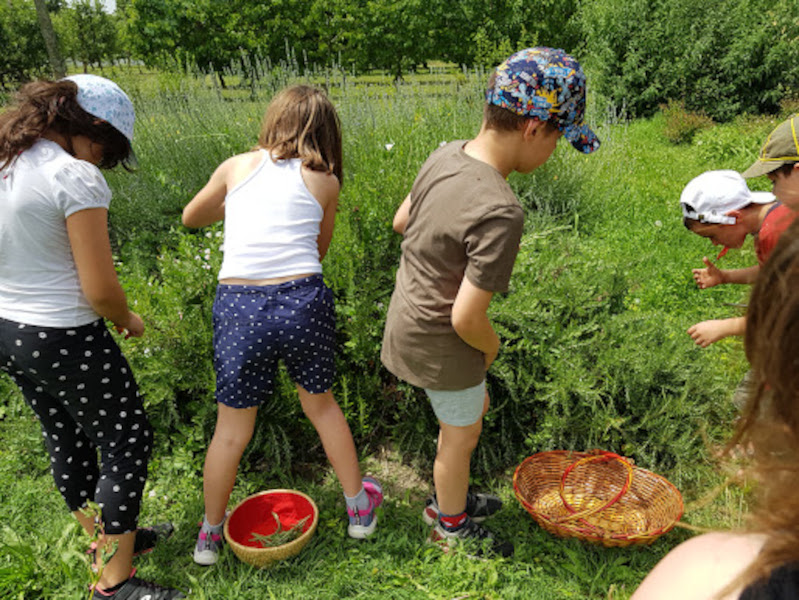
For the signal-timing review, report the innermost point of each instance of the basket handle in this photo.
(603, 457)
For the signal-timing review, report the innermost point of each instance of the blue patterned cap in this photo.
(105, 100)
(545, 84)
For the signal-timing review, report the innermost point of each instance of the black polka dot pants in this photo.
(81, 388)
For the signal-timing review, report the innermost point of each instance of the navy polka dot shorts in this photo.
(82, 390)
(256, 326)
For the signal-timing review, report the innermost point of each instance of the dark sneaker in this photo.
(148, 537)
(477, 541)
(362, 523)
(479, 506)
(137, 589)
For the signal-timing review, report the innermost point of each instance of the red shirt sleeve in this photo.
(777, 220)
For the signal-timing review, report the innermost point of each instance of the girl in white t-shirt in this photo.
(57, 284)
(278, 203)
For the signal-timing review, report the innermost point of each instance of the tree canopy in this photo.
(723, 57)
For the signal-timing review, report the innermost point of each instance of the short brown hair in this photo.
(501, 119)
(785, 169)
(301, 122)
(43, 105)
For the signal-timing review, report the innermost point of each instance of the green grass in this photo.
(43, 557)
(594, 352)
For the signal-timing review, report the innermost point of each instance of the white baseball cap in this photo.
(105, 100)
(710, 196)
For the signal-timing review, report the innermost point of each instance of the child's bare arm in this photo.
(470, 320)
(325, 188)
(746, 275)
(708, 332)
(91, 250)
(208, 206)
(402, 214)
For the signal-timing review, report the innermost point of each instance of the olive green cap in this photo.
(781, 147)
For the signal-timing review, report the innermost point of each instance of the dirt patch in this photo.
(399, 479)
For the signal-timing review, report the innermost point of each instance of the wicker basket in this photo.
(256, 515)
(596, 496)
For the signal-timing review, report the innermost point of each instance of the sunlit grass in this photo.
(594, 353)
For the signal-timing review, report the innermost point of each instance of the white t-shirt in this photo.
(39, 282)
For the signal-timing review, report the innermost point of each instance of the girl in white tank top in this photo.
(278, 203)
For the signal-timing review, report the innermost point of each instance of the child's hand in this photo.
(707, 332)
(134, 327)
(708, 277)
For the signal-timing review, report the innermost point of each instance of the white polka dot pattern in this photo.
(256, 326)
(81, 389)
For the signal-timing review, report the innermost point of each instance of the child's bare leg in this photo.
(486, 404)
(452, 465)
(86, 521)
(334, 432)
(119, 567)
(234, 428)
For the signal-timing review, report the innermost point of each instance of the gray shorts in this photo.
(458, 407)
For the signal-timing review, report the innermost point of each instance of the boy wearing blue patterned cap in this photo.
(462, 226)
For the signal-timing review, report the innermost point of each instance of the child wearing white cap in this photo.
(719, 206)
(57, 285)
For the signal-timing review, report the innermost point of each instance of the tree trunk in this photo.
(50, 40)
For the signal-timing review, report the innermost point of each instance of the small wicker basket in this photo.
(596, 496)
(256, 515)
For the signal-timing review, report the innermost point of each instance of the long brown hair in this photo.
(40, 106)
(770, 421)
(301, 122)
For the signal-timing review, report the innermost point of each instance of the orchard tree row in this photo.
(83, 32)
(724, 57)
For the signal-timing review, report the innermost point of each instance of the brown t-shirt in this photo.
(464, 221)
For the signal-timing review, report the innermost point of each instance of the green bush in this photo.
(723, 58)
(681, 124)
(581, 368)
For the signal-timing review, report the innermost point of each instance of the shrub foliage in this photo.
(717, 56)
(594, 351)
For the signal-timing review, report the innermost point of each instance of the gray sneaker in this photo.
(479, 506)
(477, 541)
(206, 551)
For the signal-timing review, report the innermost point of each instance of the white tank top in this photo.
(271, 224)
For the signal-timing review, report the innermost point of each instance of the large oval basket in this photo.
(259, 514)
(596, 496)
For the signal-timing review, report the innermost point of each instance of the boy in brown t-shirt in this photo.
(462, 225)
